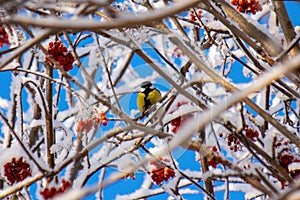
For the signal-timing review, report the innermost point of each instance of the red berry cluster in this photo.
(214, 160)
(16, 170)
(247, 6)
(284, 146)
(193, 16)
(286, 157)
(176, 124)
(60, 54)
(285, 160)
(232, 141)
(251, 134)
(160, 172)
(101, 119)
(177, 53)
(3, 37)
(178, 121)
(52, 192)
(86, 125)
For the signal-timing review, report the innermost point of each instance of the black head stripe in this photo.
(146, 84)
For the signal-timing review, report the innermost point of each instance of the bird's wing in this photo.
(141, 101)
(154, 96)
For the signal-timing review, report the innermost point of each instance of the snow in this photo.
(297, 30)
(215, 57)
(4, 104)
(139, 193)
(193, 174)
(294, 166)
(272, 23)
(181, 111)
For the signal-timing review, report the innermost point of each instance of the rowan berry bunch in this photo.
(251, 134)
(101, 118)
(178, 121)
(214, 160)
(193, 15)
(88, 124)
(177, 53)
(176, 124)
(287, 157)
(160, 172)
(16, 170)
(247, 6)
(283, 146)
(85, 125)
(52, 192)
(285, 160)
(60, 54)
(3, 37)
(232, 141)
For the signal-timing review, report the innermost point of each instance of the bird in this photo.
(147, 96)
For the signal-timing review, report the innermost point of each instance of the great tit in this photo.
(147, 96)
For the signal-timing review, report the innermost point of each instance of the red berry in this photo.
(3, 37)
(235, 148)
(192, 17)
(234, 2)
(104, 122)
(199, 13)
(214, 149)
